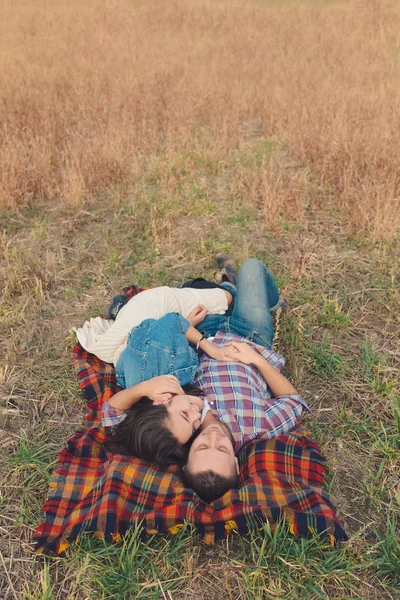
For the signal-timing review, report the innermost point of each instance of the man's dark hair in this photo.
(208, 484)
(143, 434)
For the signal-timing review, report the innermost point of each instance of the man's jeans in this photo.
(256, 295)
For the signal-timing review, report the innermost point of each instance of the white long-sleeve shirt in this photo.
(107, 339)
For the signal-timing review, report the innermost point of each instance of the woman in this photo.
(108, 339)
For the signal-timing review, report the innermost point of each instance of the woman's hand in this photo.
(161, 388)
(240, 352)
(222, 353)
(197, 315)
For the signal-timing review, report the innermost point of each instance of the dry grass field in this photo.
(137, 139)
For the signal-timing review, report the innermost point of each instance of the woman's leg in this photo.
(157, 347)
(213, 323)
(256, 295)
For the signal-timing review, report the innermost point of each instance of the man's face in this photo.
(212, 449)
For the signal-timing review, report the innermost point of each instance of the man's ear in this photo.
(237, 466)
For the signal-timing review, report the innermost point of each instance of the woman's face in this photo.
(184, 416)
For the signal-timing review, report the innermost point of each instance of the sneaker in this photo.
(111, 312)
(283, 306)
(280, 310)
(218, 277)
(227, 269)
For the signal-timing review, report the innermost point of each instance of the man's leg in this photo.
(256, 295)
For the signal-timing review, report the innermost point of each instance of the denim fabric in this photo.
(157, 347)
(256, 295)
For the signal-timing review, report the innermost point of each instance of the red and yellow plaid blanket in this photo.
(108, 495)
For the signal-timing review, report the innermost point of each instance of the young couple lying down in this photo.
(200, 379)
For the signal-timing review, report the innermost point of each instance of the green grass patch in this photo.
(259, 153)
(135, 568)
(34, 457)
(185, 209)
(286, 566)
(373, 363)
(387, 553)
(30, 467)
(271, 564)
(43, 589)
(332, 315)
(323, 360)
(241, 217)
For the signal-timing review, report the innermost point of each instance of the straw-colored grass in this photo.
(91, 92)
(139, 138)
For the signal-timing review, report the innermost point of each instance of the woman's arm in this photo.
(193, 336)
(157, 388)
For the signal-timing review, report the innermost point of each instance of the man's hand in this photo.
(197, 315)
(161, 388)
(223, 353)
(240, 352)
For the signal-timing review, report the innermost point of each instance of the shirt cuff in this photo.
(112, 416)
(294, 398)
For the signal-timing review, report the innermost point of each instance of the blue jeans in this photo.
(256, 295)
(157, 347)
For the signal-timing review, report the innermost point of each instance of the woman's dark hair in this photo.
(143, 434)
(192, 390)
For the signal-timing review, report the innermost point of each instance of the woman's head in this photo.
(184, 415)
(158, 432)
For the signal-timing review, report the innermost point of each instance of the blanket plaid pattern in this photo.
(92, 491)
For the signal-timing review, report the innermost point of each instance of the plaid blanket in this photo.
(108, 495)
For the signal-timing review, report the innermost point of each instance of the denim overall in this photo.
(157, 347)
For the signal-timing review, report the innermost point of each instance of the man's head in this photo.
(213, 447)
(158, 431)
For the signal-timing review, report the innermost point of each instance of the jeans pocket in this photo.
(185, 375)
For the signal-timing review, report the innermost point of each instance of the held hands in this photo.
(223, 353)
(197, 315)
(161, 388)
(239, 352)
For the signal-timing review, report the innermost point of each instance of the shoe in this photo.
(283, 306)
(280, 310)
(227, 269)
(218, 277)
(111, 312)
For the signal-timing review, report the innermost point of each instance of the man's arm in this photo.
(278, 384)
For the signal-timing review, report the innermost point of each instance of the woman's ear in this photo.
(162, 399)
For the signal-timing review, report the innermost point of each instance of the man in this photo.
(247, 396)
